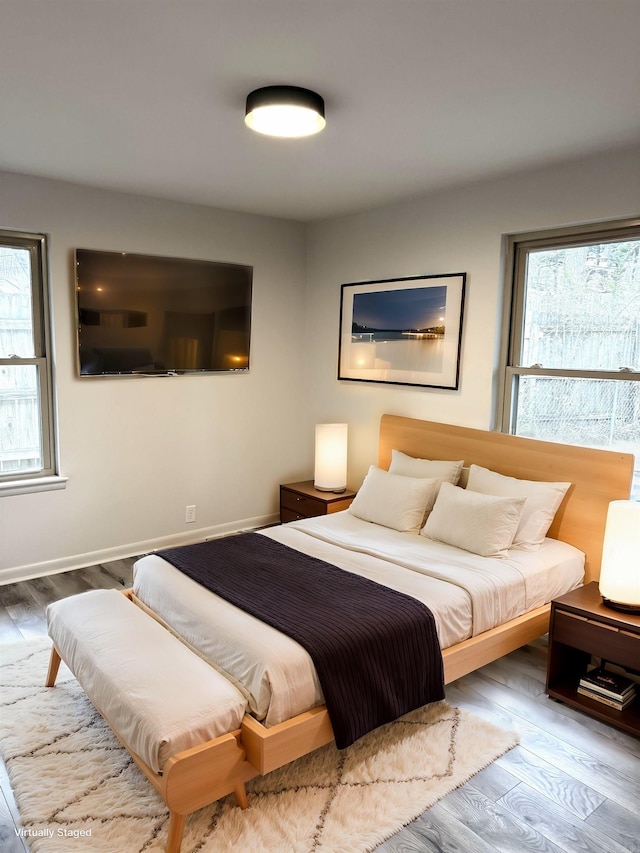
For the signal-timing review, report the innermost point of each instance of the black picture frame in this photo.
(403, 331)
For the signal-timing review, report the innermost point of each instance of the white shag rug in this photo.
(78, 790)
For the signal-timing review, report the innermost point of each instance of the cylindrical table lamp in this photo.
(620, 570)
(331, 458)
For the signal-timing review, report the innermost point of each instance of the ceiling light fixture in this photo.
(286, 111)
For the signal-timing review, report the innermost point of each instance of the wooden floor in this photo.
(572, 785)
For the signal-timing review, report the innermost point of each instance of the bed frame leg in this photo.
(241, 795)
(176, 831)
(54, 665)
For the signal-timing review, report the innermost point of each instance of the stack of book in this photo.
(609, 688)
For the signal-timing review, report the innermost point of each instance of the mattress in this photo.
(466, 593)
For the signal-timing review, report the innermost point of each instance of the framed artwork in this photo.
(403, 331)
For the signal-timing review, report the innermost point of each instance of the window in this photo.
(573, 352)
(27, 441)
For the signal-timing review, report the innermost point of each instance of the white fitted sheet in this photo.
(467, 594)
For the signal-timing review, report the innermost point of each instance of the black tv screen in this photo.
(149, 315)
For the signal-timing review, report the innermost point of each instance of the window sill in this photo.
(37, 484)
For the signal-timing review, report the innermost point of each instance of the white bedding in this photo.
(467, 594)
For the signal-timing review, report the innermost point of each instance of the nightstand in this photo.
(302, 500)
(581, 626)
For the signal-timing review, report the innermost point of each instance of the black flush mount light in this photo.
(287, 111)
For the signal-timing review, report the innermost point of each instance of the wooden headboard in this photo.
(597, 476)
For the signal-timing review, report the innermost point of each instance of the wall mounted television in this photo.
(152, 316)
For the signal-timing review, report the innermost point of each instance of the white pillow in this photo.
(409, 466)
(482, 524)
(393, 501)
(542, 502)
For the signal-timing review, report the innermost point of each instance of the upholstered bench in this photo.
(178, 717)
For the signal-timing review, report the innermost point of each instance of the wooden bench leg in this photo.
(176, 831)
(241, 795)
(54, 665)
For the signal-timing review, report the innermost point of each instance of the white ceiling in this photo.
(148, 95)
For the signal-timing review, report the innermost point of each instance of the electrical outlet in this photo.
(190, 514)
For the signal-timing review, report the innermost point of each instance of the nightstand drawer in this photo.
(301, 505)
(303, 500)
(597, 638)
(290, 515)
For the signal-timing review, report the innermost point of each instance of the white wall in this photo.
(138, 450)
(454, 231)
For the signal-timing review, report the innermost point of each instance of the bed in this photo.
(488, 585)
(288, 722)
(468, 594)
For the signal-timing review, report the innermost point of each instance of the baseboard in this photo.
(133, 549)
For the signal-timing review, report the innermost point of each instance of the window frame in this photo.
(517, 248)
(47, 477)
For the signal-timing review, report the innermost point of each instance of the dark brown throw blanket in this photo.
(375, 650)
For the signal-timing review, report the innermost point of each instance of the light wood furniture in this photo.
(193, 778)
(598, 477)
(303, 500)
(189, 778)
(582, 626)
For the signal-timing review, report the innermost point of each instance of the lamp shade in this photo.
(331, 458)
(286, 111)
(620, 570)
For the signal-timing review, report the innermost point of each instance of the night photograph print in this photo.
(404, 329)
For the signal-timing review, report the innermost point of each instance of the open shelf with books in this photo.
(594, 654)
(608, 687)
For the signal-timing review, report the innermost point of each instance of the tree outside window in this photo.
(573, 364)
